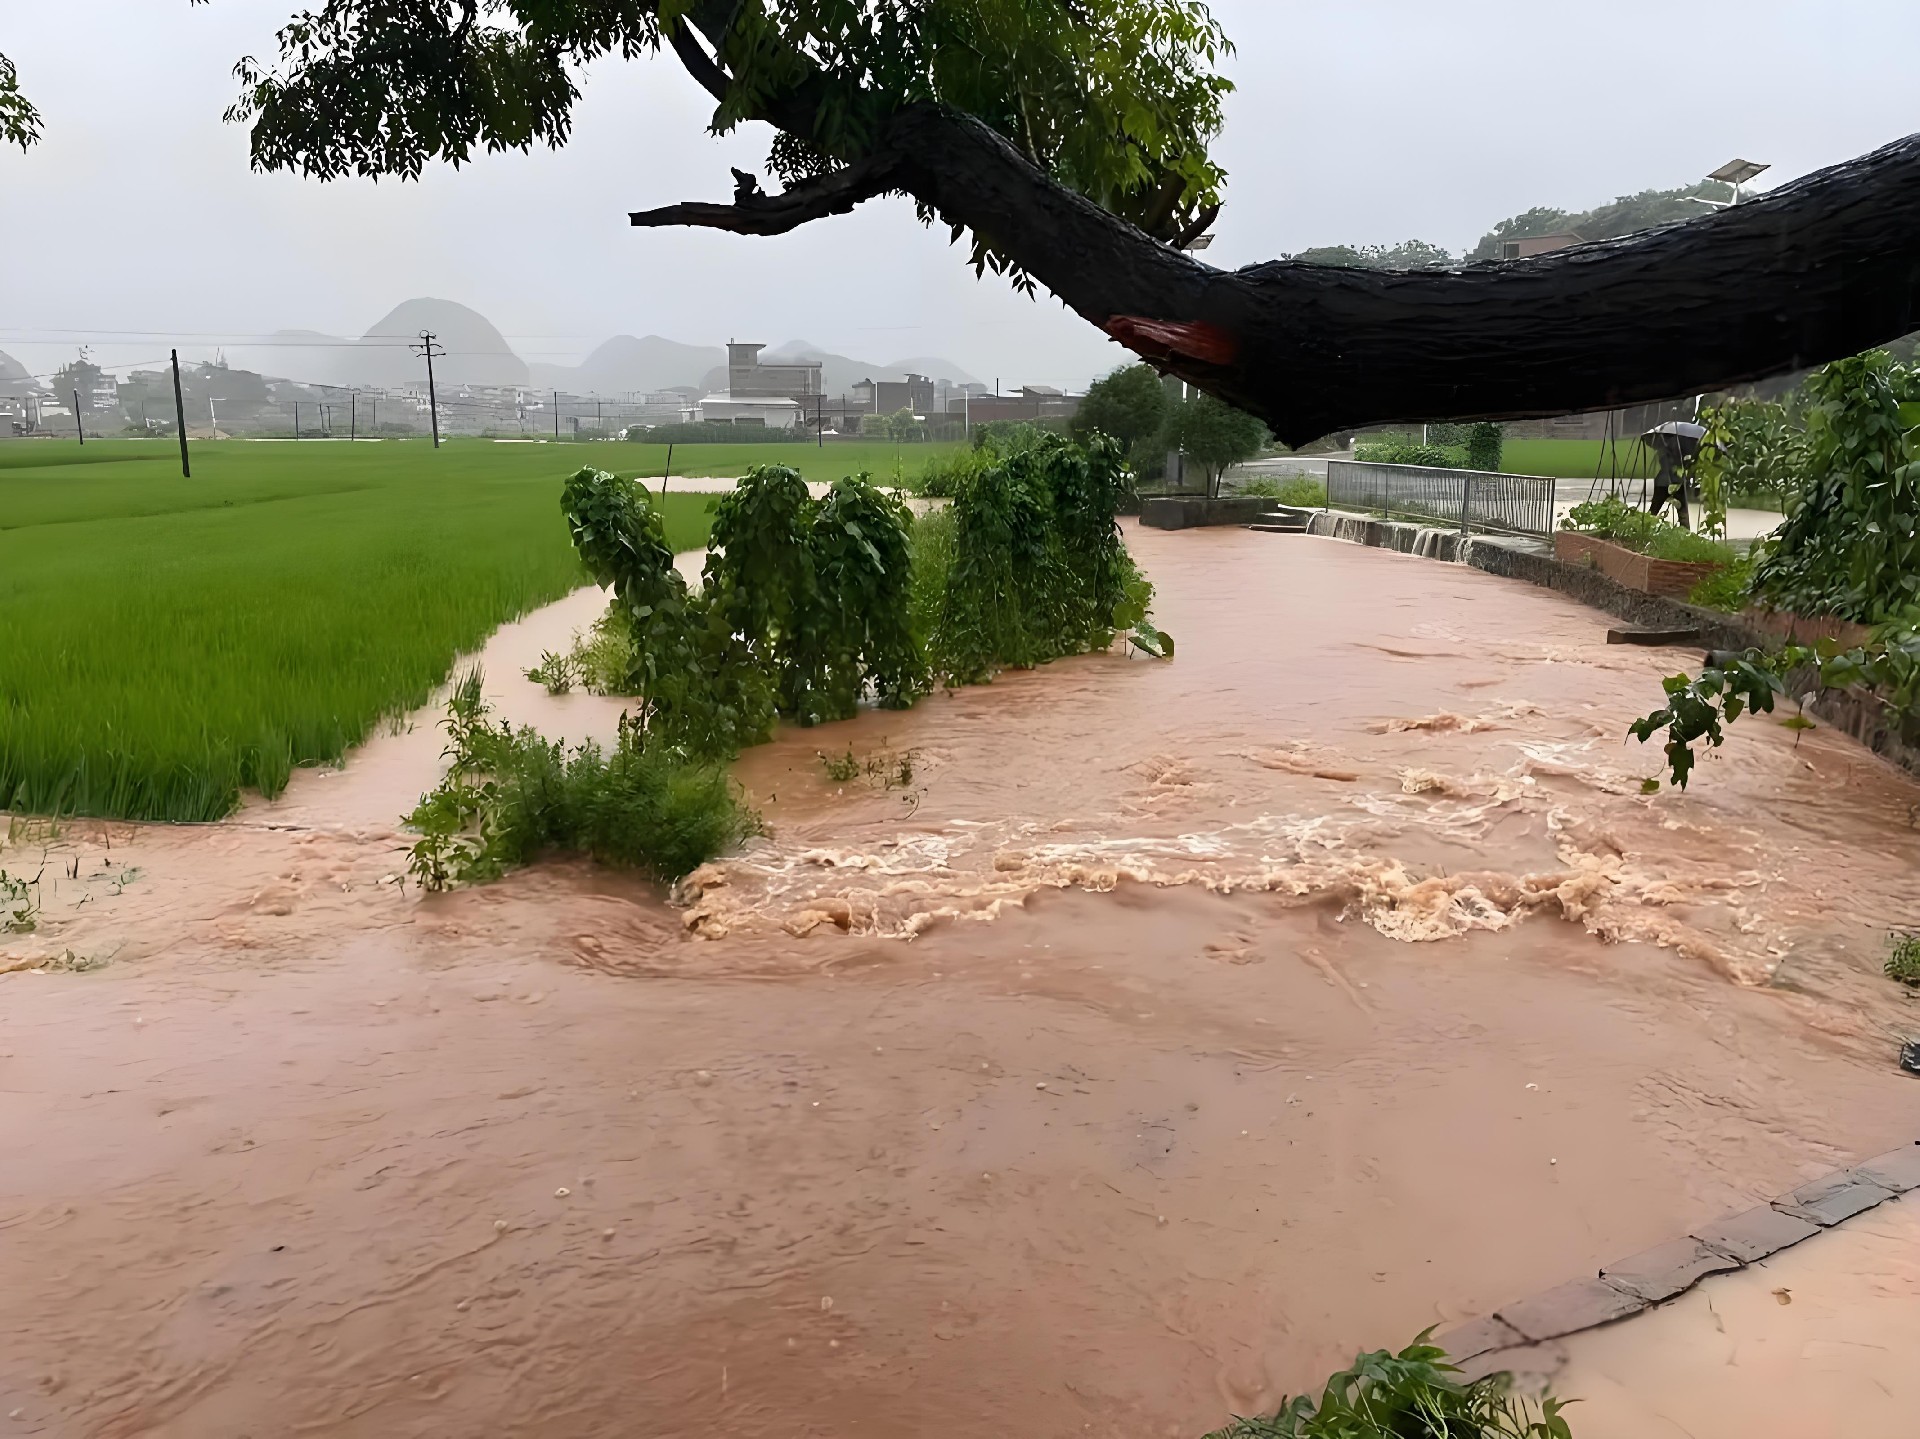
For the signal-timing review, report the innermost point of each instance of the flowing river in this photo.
(1122, 1048)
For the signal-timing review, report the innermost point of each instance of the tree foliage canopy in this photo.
(1115, 99)
(1130, 404)
(19, 121)
(1214, 433)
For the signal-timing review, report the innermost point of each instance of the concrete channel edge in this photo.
(1511, 1337)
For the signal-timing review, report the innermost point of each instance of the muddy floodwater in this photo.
(1122, 1048)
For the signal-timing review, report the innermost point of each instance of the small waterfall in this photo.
(1429, 542)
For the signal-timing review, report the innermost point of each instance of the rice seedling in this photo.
(167, 644)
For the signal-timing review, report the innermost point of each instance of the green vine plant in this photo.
(1697, 710)
(1039, 569)
(807, 609)
(1848, 547)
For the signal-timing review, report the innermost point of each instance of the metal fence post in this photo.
(1466, 498)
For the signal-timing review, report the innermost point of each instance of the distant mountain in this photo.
(12, 369)
(626, 365)
(308, 356)
(477, 354)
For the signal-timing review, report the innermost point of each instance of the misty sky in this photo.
(136, 223)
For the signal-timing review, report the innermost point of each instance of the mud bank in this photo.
(1176, 1031)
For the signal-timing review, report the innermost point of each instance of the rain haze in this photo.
(137, 224)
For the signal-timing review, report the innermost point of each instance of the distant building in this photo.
(774, 412)
(1538, 245)
(1033, 402)
(749, 379)
(890, 397)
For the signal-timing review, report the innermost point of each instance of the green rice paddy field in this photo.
(166, 643)
(1576, 459)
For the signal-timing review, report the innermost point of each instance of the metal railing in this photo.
(1467, 500)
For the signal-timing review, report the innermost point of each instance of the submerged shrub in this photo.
(1038, 567)
(511, 796)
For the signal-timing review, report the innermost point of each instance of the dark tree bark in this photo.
(1816, 270)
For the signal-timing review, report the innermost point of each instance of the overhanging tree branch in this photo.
(1821, 268)
(834, 194)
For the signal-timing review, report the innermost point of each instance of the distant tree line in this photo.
(1625, 216)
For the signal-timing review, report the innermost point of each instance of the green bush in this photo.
(941, 478)
(1726, 589)
(1849, 545)
(1414, 1394)
(1038, 568)
(1612, 518)
(1302, 492)
(511, 796)
(1411, 452)
(1484, 441)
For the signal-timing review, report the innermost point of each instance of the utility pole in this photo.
(79, 428)
(431, 351)
(180, 417)
(556, 414)
(296, 419)
(353, 415)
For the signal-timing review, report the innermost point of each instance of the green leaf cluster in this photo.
(1850, 543)
(19, 121)
(1888, 667)
(1414, 1394)
(1696, 709)
(1038, 566)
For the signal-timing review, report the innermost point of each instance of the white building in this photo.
(774, 413)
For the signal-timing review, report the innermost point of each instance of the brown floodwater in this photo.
(1169, 1032)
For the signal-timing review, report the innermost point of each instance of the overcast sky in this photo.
(136, 223)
